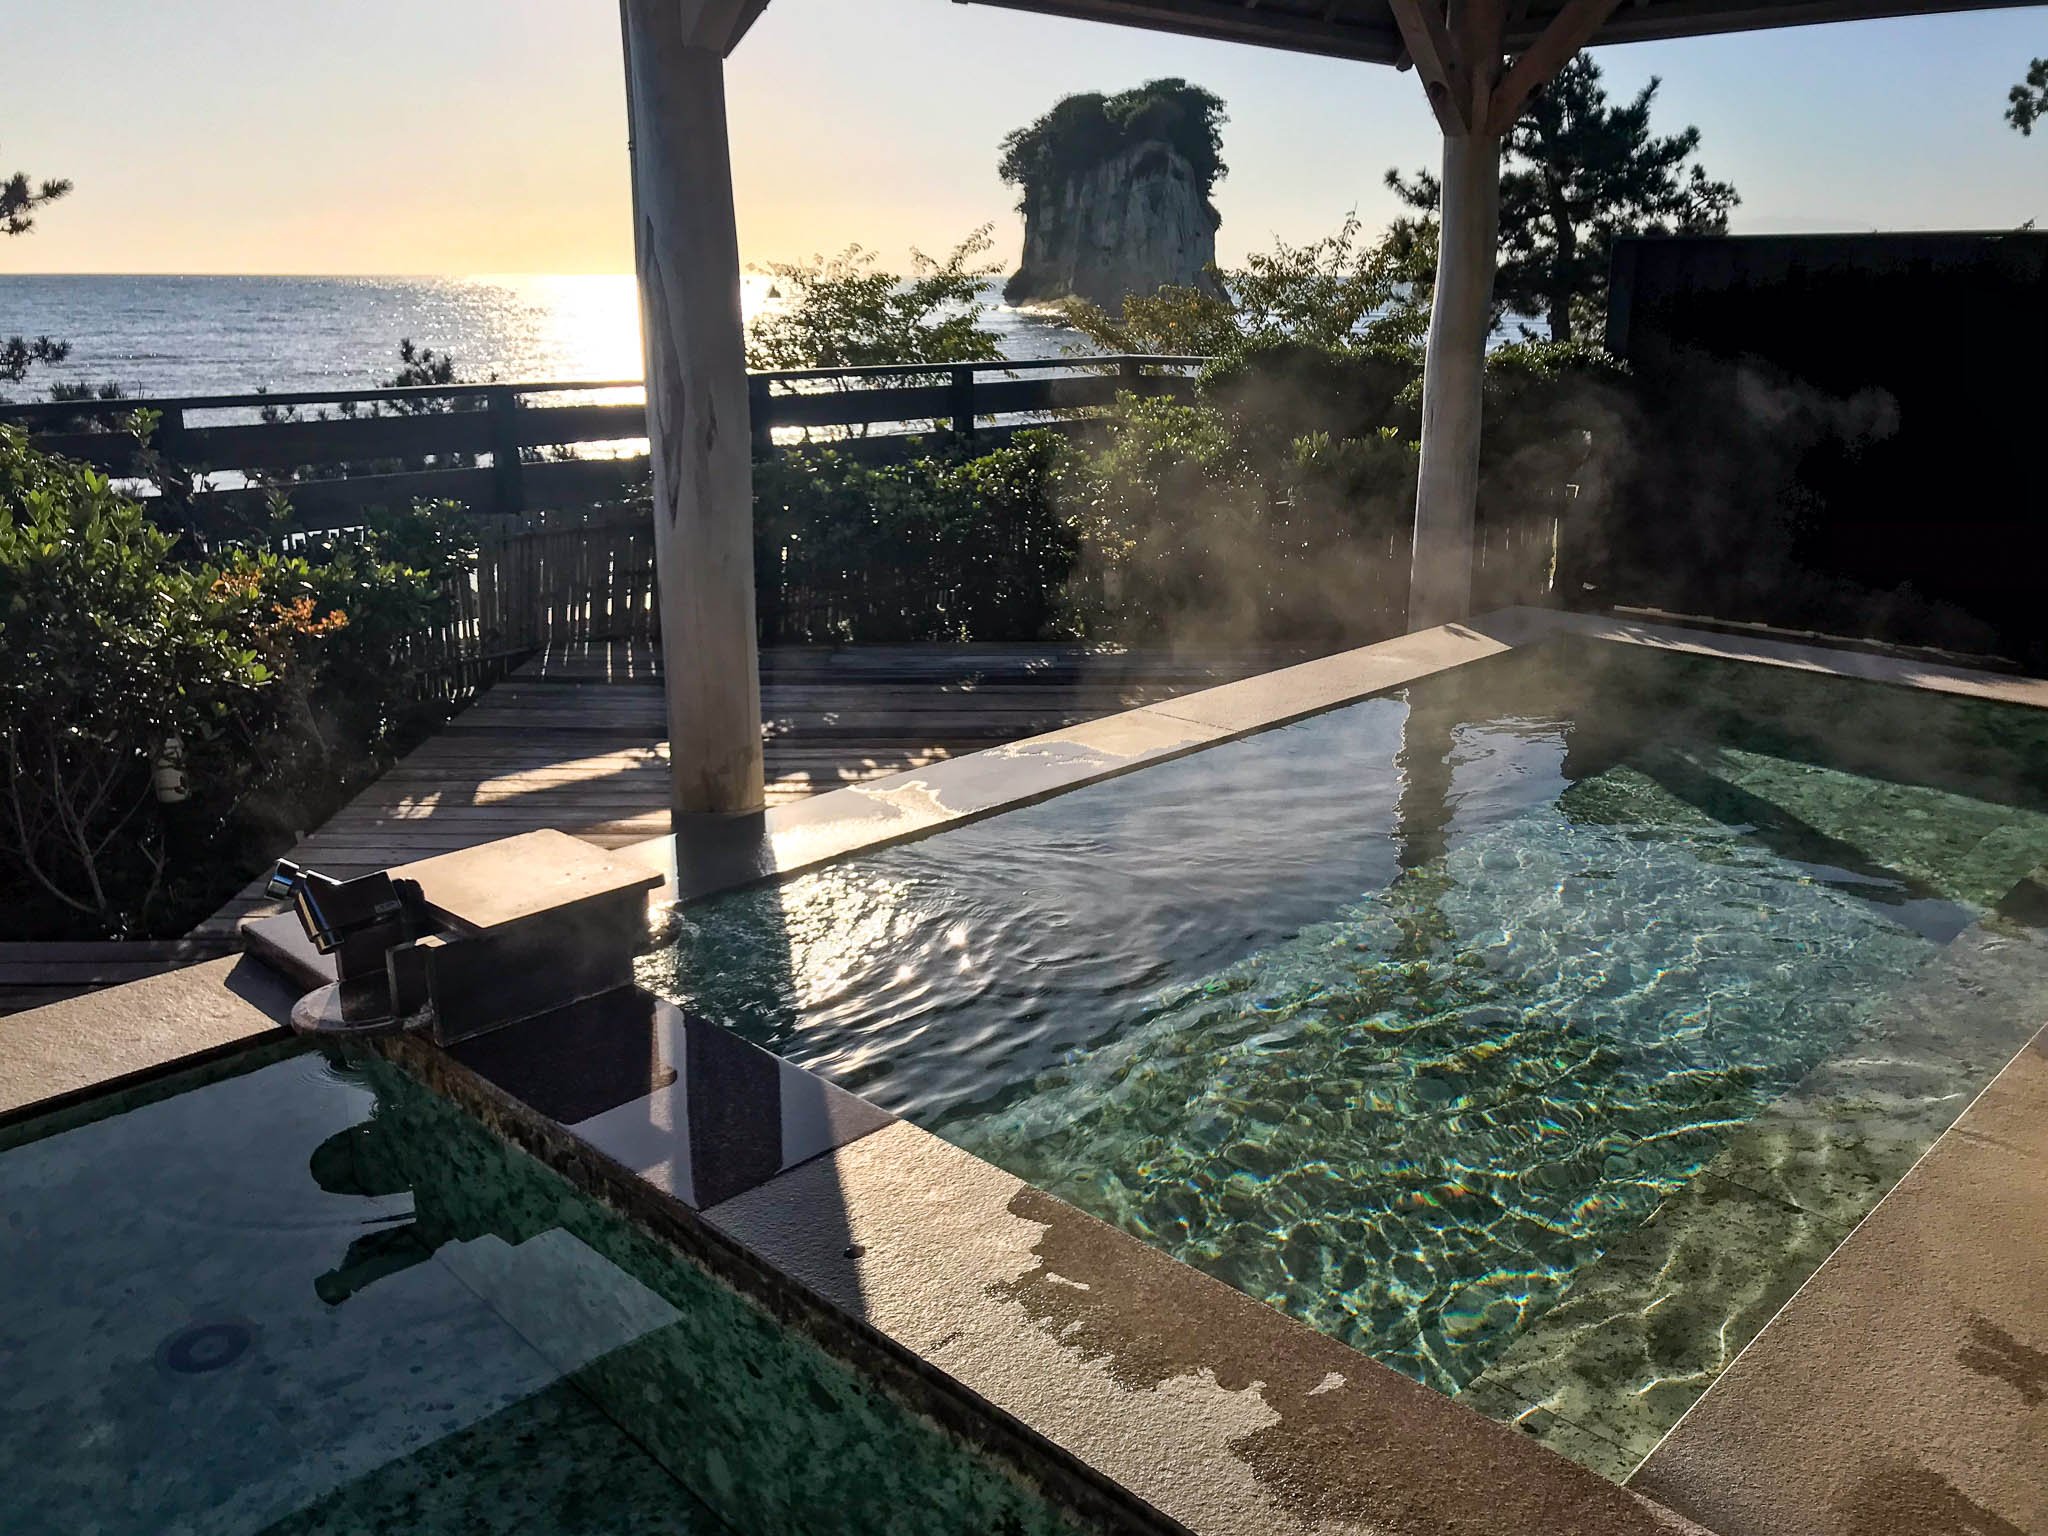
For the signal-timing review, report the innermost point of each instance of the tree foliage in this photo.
(18, 354)
(107, 651)
(943, 547)
(1580, 170)
(20, 200)
(1339, 291)
(2027, 102)
(846, 312)
(1082, 132)
(1187, 524)
(277, 676)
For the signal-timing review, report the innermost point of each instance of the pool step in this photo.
(1665, 1311)
(1905, 1388)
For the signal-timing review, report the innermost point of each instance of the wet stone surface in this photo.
(1448, 1020)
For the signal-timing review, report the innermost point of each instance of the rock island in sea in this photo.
(1115, 194)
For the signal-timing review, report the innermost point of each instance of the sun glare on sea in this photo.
(584, 326)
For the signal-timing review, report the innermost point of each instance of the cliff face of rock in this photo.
(1131, 223)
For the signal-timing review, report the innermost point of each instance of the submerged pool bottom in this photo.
(311, 1296)
(1536, 1031)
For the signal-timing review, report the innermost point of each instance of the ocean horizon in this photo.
(162, 334)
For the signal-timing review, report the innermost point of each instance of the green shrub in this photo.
(944, 547)
(1560, 419)
(274, 679)
(1190, 527)
(1277, 390)
(109, 650)
(367, 686)
(1276, 506)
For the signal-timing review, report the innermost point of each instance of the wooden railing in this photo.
(565, 553)
(488, 446)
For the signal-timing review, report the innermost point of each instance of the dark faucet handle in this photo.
(284, 880)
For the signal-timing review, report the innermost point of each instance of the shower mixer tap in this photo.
(362, 923)
(464, 942)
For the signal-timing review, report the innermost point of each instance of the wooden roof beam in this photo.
(1327, 32)
(718, 25)
(1480, 27)
(1435, 52)
(1569, 31)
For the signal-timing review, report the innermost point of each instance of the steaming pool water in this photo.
(1536, 1029)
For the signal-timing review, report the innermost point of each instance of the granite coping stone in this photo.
(1905, 1388)
(53, 1055)
(680, 1102)
(1530, 626)
(1223, 1414)
(514, 879)
(720, 853)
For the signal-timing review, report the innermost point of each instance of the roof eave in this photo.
(1229, 21)
(1245, 21)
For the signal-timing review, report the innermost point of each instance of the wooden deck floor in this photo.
(574, 739)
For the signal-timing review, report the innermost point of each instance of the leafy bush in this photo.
(1187, 525)
(1276, 507)
(255, 684)
(108, 652)
(845, 313)
(1278, 388)
(1336, 292)
(944, 547)
(366, 690)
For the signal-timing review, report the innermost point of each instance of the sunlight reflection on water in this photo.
(174, 335)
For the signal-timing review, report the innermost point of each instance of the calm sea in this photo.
(223, 335)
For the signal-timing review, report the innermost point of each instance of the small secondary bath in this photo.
(1536, 1030)
(297, 1293)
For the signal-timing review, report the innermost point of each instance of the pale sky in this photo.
(488, 136)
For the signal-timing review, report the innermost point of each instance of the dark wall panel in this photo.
(1835, 432)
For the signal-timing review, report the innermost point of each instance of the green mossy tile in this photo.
(1643, 1332)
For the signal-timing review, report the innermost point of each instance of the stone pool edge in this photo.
(738, 851)
(1079, 1384)
(1128, 1387)
(728, 852)
(1904, 1386)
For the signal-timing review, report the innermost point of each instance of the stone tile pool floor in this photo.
(1537, 1031)
(299, 1293)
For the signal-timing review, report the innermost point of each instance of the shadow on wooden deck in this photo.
(574, 738)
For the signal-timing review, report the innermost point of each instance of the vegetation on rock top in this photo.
(1085, 131)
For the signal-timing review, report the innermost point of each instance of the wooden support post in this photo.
(1447, 486)
(1457, 50)
(963, 402)
(508, 492)
(699, 442)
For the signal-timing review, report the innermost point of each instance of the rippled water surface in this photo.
(1402, 1017)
